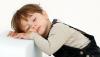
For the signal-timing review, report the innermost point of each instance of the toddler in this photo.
(31, 22)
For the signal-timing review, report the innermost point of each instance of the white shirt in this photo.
(60, 35)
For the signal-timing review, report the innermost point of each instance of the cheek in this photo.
(43, 26)
(42, 29)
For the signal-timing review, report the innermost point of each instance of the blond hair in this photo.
(23, 13)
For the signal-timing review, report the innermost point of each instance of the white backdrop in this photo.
(82, 14)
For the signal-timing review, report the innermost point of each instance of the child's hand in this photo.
(12, 33)
(20, 35)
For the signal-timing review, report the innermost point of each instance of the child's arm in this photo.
(59, 34)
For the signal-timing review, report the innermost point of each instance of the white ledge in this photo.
(10, 47)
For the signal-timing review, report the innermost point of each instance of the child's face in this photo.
(37, 22)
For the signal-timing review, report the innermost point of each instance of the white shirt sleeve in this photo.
(58, 35)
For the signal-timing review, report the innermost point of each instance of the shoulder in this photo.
(58, 23)
(61, 28)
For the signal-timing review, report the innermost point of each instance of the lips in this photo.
(38, 29)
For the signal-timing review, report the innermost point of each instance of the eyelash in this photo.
(34, 19)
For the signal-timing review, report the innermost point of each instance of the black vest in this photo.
(91, 50)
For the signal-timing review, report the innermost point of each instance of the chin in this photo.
(40, 33)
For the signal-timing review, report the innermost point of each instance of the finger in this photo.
(12, 33)
(9, 34)
(19, 36)
(24, 36)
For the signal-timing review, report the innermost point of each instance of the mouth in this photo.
(38, 29)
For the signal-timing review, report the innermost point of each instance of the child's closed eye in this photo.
(34, 19)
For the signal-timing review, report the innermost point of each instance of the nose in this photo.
(35, 27)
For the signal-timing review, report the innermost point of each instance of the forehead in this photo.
(24, 20)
